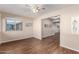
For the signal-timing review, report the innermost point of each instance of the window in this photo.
(13, 25)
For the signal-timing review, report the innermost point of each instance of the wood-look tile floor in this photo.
(49, 45)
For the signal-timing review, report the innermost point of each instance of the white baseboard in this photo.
(38, 38)
(69, 48)
(15, 39)
(48, 35)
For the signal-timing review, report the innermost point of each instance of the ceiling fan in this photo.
(36, 7)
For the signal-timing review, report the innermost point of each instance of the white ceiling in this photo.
(24, 10)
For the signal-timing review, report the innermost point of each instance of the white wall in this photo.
(67, 39)
(37, 28)
(17, 35)
(50, 30)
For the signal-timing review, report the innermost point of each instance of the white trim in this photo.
(4, 41)
(48, 35)
(69, 48)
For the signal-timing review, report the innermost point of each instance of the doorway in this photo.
(51, 26)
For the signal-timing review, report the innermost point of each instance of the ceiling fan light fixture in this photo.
(36, 8)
